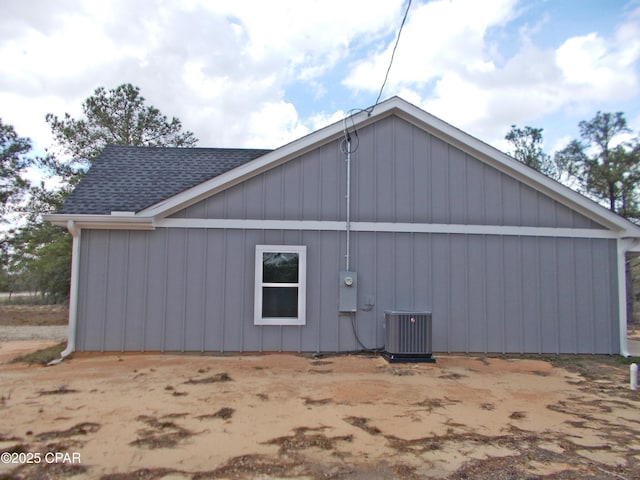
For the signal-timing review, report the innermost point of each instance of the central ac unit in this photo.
(408, 337)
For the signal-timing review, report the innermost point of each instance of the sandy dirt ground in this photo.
(173, 417)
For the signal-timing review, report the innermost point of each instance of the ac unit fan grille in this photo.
(408, 335)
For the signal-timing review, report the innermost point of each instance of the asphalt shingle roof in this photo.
(130, 179)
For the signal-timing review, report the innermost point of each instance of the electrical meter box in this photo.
(348, 292)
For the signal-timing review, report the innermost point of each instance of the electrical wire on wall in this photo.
(348, 146)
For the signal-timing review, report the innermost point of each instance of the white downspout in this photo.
(622, 295)
(73, 293)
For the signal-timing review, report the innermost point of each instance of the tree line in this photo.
(36, 255)
(599, 164)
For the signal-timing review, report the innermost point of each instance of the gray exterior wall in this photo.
(192, 290)
(176, 289)
(400, 173)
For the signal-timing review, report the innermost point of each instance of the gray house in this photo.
(305, 247)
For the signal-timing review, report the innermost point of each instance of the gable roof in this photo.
(129, 179)
(214, 181)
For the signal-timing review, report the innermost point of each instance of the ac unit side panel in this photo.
(408, 333)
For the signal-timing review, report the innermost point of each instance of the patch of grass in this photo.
(176, 415)
(302, 441)
(79, 429)
(452, 376)
(253, 466)
(20, 448)
(217, 378)
(42, 356)
(224, 413)
(312, 370)
(363, 423)
(627, 360)
(62, 390)
(161, 434)
(142, 474)
(433, 403)
(46, 471)
(311, 401)
(67, 445)
(29, 300)
(244, 466)
(320, 363)
(420, 445)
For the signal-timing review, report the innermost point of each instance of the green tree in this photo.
(41, 261)
(13, 164)
(41, 252)
(604, 167)
(527, 148)
(14, 191)
(118, 116)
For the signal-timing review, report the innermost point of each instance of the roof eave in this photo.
(112, 222)
(517, 170)
(266, 162)
(423, 120)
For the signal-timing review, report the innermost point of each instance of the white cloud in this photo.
(560, 143)
(446, 45)
(323, 119)
(275, 124)
(225, 67)
(209, 63)
(439, 36)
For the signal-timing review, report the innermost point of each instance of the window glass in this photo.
(280, 285)
(279, 302)
(279, 267)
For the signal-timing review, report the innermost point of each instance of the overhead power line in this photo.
(393, 53)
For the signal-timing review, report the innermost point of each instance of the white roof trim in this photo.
(406, 111)
(437, 228)
(513, 168)
(246, 171)
(126, 222)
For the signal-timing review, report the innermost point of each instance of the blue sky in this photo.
(243, 73)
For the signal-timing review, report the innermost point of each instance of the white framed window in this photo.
(280, 285)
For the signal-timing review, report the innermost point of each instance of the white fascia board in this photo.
(501, 230)
(111, 222)
(422, 120)
(503, 162)
(266, 162)
(244, 172)
(389, 227)
(247, 224)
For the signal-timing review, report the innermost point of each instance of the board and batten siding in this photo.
(178, 289)
(400, 173)
(192, 289)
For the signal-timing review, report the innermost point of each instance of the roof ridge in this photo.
(141, 147)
